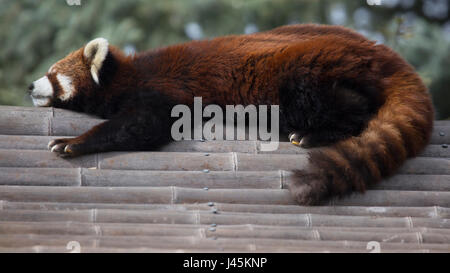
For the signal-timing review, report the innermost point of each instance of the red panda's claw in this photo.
(58, 148)
(68, 149)
(300, 141)
(61, 147)
(51, 144)
(295, 139)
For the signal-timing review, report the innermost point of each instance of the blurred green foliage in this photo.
(35, 34)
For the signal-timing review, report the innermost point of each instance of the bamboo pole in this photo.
(440, 135)
(169, 195)
(220, 218)
(24, 126)
(43, 216)
(396, 198)
(138, 195)
(166, 161)
(191, 162)
(416, 183)
(220, 244)
(417, 236)
(17, 142)
(63, 249)
(441, 122)
(191, 179)
(145, 229)
(211, 146)
(40, 177)
(268, 249)
(44, 123)
(43, 159)
(19, 111)
(422, 212)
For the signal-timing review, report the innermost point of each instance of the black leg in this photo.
(143, 130)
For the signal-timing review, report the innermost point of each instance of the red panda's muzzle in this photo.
(41, 92)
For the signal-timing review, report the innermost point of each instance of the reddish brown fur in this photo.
(401, 129)
(250, 69)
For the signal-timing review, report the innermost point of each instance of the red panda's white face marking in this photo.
(42, 92)
(43, 89)
(68, 90)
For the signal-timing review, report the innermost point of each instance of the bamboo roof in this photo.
(202, 196)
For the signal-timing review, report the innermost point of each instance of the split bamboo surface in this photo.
(176, 161)
(203, 196)
(20, 142)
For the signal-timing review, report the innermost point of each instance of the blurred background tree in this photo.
(34, 34)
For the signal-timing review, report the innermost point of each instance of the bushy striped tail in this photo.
(400, 129)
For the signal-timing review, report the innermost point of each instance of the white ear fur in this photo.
(96, 51)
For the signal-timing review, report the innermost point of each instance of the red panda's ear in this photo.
(95, 52)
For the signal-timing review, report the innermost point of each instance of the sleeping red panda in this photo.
(359, 100)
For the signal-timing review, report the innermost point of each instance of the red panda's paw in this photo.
(298, 140)
(65, 147)
(295, 138)
(309, 140)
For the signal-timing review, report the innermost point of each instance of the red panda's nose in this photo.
(30, 88)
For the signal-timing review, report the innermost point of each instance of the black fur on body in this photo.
(140, 121)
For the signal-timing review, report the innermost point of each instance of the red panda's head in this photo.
(78, 72)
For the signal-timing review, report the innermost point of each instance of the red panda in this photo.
(360, 101)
